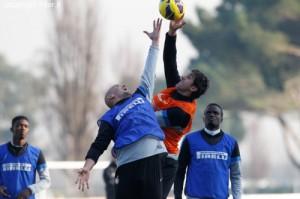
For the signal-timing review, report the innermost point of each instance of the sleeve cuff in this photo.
(154, 46)
(32, 189)
(170, 37)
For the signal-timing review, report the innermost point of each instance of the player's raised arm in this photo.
(170, 53)
(148, 76)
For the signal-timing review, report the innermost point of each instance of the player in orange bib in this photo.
(175, 106)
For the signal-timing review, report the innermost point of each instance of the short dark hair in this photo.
(217, 105)
(17, 118)
(201, 82)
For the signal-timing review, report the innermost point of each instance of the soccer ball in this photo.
(171, 9)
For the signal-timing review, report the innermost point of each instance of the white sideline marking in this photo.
(74, 165)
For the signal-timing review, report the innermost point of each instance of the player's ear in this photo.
(194, 88)
(111, 97)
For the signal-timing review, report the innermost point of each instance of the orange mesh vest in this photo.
(163, 100)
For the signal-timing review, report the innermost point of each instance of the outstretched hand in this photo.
(154, 35)
(83, 179)
(175, 25)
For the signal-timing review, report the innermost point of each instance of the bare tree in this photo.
(73, 67)
(290, 135)
(292, 141)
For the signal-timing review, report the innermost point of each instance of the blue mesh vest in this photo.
(132, 119)
(208, 172)
(18, 172)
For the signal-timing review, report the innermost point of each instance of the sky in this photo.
(24, 25)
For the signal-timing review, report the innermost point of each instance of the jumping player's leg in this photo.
(141, 179)
(127, 186)
(151, 178)
(169, 169)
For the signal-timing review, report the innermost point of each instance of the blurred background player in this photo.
(19, 163)
(109, 178)
(138, 138)
(176, 105)
(211, 158)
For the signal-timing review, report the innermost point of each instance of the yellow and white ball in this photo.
(171, 9)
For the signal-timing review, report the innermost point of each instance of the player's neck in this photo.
(184, 93)
(212, 132)
(18, 143)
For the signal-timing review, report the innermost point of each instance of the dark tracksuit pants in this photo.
(169, 169)
(140, 179)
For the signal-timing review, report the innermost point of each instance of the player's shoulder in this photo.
(228, 135)
(193, 134)
(3, 146)
(230, 138)
(34, 149)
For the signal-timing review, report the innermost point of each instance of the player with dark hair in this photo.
(211, 157)
(19, 162)
(176, 105)
(138, 139)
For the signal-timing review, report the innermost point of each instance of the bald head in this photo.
(115, 94)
